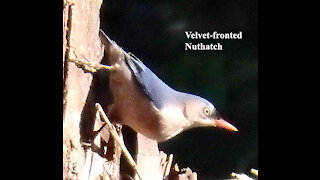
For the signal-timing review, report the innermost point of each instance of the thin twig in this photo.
(114, 134)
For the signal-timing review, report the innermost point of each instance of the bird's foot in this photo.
(166, 163)
(89, 66)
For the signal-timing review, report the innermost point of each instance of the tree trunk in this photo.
(80, 41)
(88, 152)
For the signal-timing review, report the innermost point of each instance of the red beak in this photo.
(225, 125)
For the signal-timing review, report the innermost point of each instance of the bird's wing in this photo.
(155, 88)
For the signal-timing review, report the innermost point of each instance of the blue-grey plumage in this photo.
(148, 105)
(158, 91)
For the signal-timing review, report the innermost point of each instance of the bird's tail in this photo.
(113, 52)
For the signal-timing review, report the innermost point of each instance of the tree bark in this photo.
(80, 41)
(88, 152)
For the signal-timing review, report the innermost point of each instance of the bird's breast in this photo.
(172, 121)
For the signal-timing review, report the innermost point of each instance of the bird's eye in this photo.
(206, 111)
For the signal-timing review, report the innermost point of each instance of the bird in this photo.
(149, 106)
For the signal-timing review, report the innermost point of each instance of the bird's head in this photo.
(202, 113)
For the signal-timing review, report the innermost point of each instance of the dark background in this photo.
(154, 32)
(288, 74)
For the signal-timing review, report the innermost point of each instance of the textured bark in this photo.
(81, 41)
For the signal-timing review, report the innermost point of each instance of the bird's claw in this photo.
(89, 66)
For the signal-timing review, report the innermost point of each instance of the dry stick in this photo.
(114, 134)
(163, 162)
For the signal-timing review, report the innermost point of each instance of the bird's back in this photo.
(155, 89)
